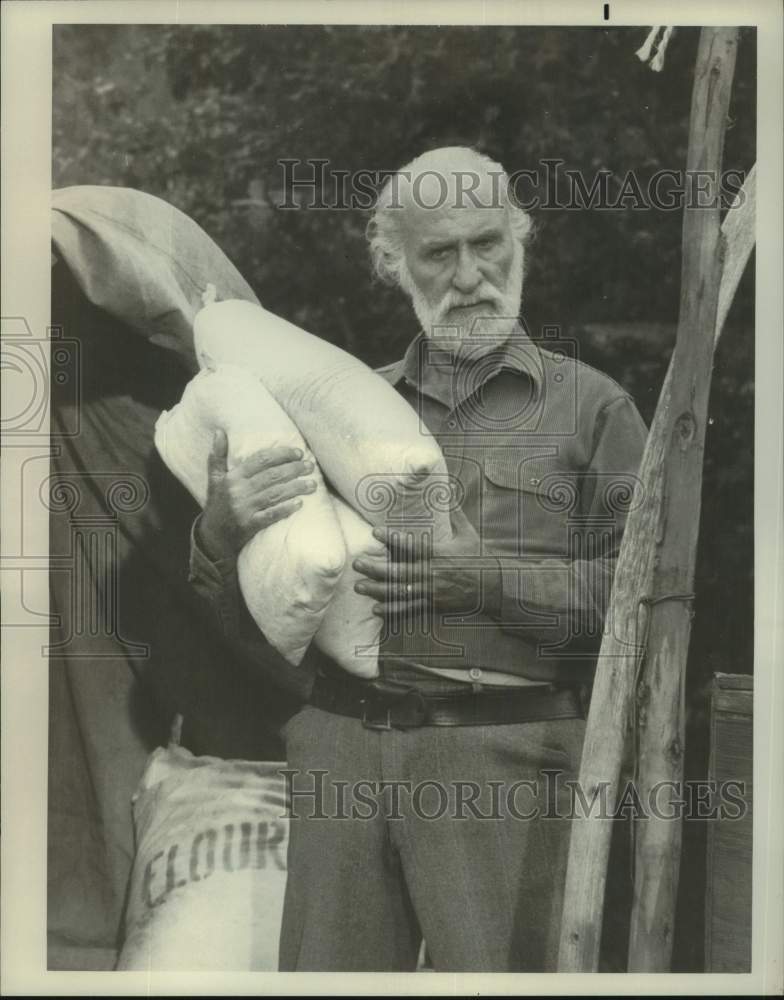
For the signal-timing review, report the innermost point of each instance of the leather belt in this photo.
(383, 704)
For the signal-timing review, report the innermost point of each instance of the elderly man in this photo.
(432, 801)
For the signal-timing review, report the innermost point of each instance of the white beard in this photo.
(493, 320)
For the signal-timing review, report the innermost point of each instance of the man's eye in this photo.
(487, 244)
(439, 253)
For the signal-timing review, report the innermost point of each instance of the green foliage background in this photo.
(201, 115)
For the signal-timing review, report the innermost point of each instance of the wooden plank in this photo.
(662, 718)
(615, 676)
(734, 702)
(728, 897)
(744, 682)
(612, 699)
(740, 233)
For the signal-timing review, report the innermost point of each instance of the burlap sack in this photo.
(209, 874)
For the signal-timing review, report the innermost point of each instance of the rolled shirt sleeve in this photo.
(217, 583)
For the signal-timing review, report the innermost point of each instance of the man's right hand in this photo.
(264, 488)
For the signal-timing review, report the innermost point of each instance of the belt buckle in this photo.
(374, 723)
(409, 709)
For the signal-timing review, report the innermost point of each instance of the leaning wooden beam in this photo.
(662, 718)
(660, 696)
(739, 232)
(614, 686)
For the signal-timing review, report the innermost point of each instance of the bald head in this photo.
(450, 177)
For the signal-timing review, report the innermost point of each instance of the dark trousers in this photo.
(452, 859)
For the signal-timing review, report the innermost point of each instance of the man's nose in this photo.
(467, 275)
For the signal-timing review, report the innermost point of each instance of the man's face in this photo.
(463, 265)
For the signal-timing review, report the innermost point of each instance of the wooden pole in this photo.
(662, 715)
(614, 684)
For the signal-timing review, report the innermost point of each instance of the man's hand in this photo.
(409, 580)
(265, 488)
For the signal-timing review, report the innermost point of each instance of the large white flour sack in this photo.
(288, 571)
(369, 442)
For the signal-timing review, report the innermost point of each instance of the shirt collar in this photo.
(519, 355)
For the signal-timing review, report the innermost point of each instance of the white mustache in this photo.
(486, 293)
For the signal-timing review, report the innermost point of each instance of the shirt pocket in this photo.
(527, 504)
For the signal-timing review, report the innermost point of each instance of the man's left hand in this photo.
(410, 579)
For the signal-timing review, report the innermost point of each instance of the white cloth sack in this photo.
(349, 631)
(370, 444)
(209, 875)
(287, 572)
(292, 573)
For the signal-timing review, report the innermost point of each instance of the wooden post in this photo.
(615, 681)
(662, 715)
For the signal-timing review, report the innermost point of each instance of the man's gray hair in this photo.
(384, 231)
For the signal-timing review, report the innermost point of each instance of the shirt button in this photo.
(475, 673)
(452, 424)
(535, 481)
